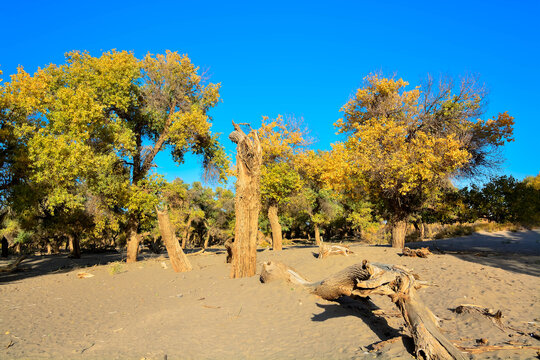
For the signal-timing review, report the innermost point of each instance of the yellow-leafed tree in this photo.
(404, 145)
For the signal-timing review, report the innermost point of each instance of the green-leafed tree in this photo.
(102, 120)
(281, 140)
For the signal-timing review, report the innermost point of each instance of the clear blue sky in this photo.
(302, 58)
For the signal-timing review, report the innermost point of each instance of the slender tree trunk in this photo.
(49, 248)
(56, 247)
(246, 203)
(399, 228)
(179, 260)
(5, 246)
(133, 242)
(422, 231)
(206, 240)
(17, 248)
(277, 237)
(187, 233)
(317, 234)
(74, 246)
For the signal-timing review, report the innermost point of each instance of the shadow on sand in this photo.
(363, 308)
(36, 265)
(513, 251)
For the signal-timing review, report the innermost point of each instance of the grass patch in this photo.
(116, 268)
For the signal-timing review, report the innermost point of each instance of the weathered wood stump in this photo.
(365, 279)
(247, 202)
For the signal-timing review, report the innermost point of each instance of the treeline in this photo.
(78, 143)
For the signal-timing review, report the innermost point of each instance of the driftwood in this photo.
(365, 279)
(13, 266)
(326, 250)
(422, 252)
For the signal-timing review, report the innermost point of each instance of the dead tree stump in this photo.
(179, 260)
(247, 202)
(365, 279)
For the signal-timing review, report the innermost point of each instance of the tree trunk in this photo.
(17, 248)
(133, 242)
(49, 248)
(74, 247)
(179, 260)
(277, 238)
(247, 202)
(5, 246)
(317, 234)
(56, 247)
(422, 231)
(206, 240)
(399, 229)
(187, 233)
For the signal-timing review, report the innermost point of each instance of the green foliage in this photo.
(116, 268)
(71, 136)
(200, 210)
(278, 182)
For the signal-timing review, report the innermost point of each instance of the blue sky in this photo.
(303, 59)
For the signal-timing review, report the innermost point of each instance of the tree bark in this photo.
(133, 242)
(206, 240)
(399, 228)
(317, 234)
(247, 202)
(187, 233)
(74, 246)
(5, 246)
(277, 237)
(179, 260)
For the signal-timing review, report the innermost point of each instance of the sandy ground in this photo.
(147, 311)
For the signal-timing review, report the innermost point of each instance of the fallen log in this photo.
(365, 279)
(13, 266)
(326, 250)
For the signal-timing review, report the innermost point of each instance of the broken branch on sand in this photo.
(486, 348)
(365, 279)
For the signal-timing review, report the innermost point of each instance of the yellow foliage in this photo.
(389, 154)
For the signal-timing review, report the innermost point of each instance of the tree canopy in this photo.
(404, 145)
(102, 120)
